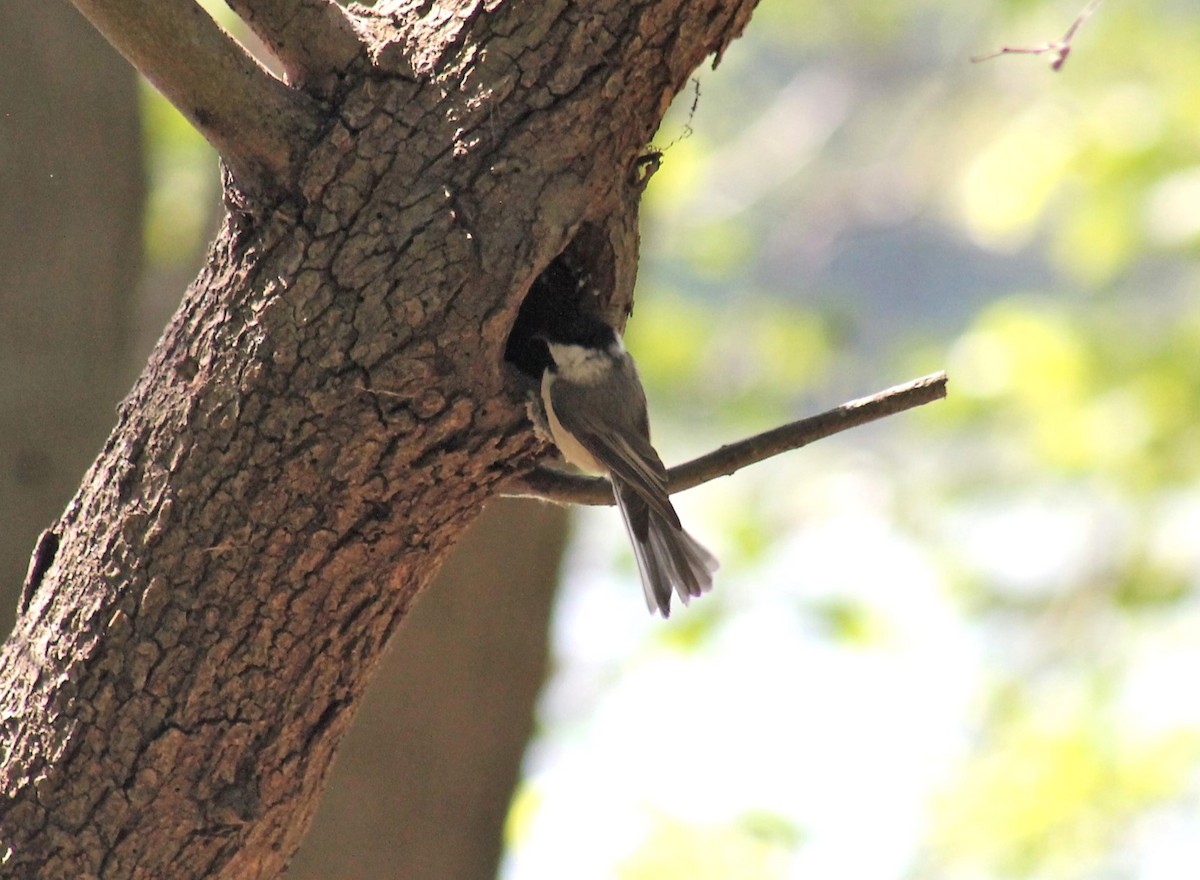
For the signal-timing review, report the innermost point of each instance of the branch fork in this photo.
(1059, 49)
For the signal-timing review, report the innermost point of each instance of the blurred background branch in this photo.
(1061, 47)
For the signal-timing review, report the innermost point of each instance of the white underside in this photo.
(572, 450)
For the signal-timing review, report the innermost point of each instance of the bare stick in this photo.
(258, 124)
(555, 485)
(1060, 48)
(311, 38)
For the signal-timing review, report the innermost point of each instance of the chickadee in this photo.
(596, 410)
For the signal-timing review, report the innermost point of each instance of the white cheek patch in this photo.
(583, 366)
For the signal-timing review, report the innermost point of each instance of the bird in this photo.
(596, 412)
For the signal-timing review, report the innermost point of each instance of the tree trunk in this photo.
(326, 413)
(70, 254)
(422, 785)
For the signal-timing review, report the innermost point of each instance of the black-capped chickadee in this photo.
(596, 410)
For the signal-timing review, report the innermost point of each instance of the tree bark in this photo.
(422, 784)
(326, 413)
(71, 191)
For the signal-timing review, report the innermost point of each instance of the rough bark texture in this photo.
(70, 246)
(422, 783)
(326, 413)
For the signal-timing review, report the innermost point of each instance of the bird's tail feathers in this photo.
(668, 558)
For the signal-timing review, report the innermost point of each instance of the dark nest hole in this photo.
(576, 284)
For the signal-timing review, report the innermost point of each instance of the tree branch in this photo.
(311, 38)
(257, 123)
(1061, 48)
(565, 488)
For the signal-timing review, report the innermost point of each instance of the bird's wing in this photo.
(616, 432)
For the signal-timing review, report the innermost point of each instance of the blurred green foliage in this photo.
(183, 179)
(1036, 235)
(1095, 391)
(754, 847)
(1056, 798)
